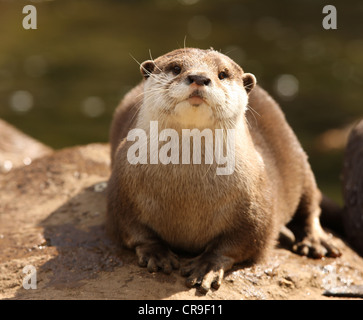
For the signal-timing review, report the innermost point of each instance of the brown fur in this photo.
(159, 209)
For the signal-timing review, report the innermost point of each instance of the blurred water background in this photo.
(61, 82)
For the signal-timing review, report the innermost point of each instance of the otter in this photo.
(162, 209)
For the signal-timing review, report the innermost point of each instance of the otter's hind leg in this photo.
(311, 239)
(123, 226)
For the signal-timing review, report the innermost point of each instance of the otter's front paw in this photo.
(156, 256)
(206, 271)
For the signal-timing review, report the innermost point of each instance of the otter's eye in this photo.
(176, 70)
(222, 75)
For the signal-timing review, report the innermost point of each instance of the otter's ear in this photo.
(249, 81)
(146, 68)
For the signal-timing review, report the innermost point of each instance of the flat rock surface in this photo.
(52, 217)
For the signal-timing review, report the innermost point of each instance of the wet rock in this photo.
(353, 188)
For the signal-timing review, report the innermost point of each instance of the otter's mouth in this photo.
(196, 98)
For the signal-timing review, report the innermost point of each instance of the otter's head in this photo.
(194, 87)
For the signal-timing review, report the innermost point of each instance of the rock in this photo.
(345, 291)
(52, 217)
(18, 149)
(353, 188)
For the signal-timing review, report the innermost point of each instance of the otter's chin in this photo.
(194, 113)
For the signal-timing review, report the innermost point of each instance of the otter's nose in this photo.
(199, 80)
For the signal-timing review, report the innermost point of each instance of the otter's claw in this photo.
(206, 272)
(157, 256)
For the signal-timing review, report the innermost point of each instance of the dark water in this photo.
(61, 82)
